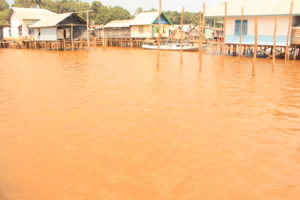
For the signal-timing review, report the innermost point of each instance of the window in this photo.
(141, 29)
(30, 31)
(237, 27)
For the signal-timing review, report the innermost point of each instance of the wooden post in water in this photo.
(274, 42)
(87, 28)
(200, 36)
(241, 33)
(287, 56)
(158, 36)
(181, 35)
(255, 46)
(224, 31)
(72, 40)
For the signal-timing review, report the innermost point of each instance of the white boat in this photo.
(174, 47)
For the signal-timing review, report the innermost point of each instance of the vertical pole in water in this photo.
(200, 36)
(274, 43)
(158, 36)
(241, 32)
(87, 28)
(203, 21)
(287, 56)
(255, 47)
(224, 32)
(181, 35)
(72, 40)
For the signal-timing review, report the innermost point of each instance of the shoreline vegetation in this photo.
(101, 14)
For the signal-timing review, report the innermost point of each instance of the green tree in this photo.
(4, 12)
(138, 11)
(118, 13)
(37, 3)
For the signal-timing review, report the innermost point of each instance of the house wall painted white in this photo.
(6, 32)
(45, 34)
(265, 26)
(16, 22)
(148, 31)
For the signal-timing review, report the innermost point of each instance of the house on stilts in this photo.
(67, 26)
(265, 12)
(117, 29)
(145, 25)
(22, 18)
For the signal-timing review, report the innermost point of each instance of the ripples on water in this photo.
(108, 124)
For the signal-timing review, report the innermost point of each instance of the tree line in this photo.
(101, 14)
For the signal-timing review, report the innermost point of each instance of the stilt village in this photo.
(234, 27)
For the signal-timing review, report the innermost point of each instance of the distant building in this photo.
(265, 11)
(59, 26)
(145, 25)
(117, 29)
(22, 18)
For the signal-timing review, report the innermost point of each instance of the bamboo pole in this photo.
(224, 31)
(158, 36)
(295, 52)
(72, 40)
(181, 35)
(274, 43)
(87, 28)
(255, 46)
(289, 32)
(241, 33)
(200, 36)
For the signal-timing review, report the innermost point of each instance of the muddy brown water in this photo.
(108, 124)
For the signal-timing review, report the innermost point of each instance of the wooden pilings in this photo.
(158, 35)
(274, 42)
(181, 35)
(224, 32)
(288, 37)
(241, 33)
(255, 46)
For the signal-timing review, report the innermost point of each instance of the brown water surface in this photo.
(108, 124)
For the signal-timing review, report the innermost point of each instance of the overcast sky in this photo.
(131, 5)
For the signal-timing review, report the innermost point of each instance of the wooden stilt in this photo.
(295, 52)
(72, 40)
(224, 32)
(241, 33)
(181, 35)
(158, 36)
(289, 32)
(255, 46)
(274, 43)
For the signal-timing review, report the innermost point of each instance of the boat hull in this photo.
(170, 47)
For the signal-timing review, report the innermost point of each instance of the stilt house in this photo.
(145, 25)
(60, 26)
(265, 11)
(22, 18)
(118, 29)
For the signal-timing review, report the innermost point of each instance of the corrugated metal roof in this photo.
(32, 13)
(118, 24)
(51, 21)
(254, 8)
(145, 18)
